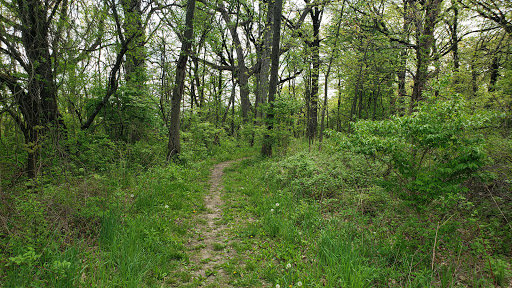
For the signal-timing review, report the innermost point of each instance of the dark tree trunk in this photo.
(197, 84)
(113, 84)
(39, 104)
(231, 101)
(113, 80)
(217, 98)
(265, 61)
(338, 116)
(425, 41)
(266, 149)
(174, 145)
(474, 75)
(454, 36)
(357, 94)
(495, 66)
(316, 17)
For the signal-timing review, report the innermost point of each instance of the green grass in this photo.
(309, 218)
(323, 220)
(125, 224)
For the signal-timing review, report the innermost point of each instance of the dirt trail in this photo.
(211, 241)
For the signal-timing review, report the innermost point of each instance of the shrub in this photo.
(430, 152)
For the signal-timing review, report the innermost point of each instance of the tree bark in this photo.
(402, 91)
(316, 17)
(242, 72)
(263, 75)
(39, 104)
(174, 145)
(266, 149)
(454, 37)
(425, 41)
(495, 66)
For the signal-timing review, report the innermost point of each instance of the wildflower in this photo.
(299, 283)
(288, 266)
(234, 272)
(272, 210)
(166, 206)
(194, 211)
(277, 204)
(278, 286)
(132, 195)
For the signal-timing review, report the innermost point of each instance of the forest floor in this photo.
(300, 220)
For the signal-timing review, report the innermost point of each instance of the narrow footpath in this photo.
(210, 247)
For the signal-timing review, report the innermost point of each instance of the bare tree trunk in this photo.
(231, 100)
(338, 120)
(316, 17)
(266, 149)
(265, 60)
(174, 145)
(454, 36)
(39, 104)
(242, 71)
(136, 54)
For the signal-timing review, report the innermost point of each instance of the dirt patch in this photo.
(211, 241)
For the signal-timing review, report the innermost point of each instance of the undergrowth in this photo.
(113, 215)
(323, 219)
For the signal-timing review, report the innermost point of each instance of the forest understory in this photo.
(272, 143)
(310, 219)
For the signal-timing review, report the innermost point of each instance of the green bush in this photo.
(430, 152)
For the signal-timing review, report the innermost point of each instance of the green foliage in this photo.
(199, 139)
(431, 152)
(358, 234)
(123, 223)
(344, 266)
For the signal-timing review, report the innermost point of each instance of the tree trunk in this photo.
(265, 61)
(136, 54)
(231, 101)
(39, 104)
(316, 17)
(454, 37)
(338, 116)
(326, 84)
(402, 91)
(242, 73)
(425, 41)
(174, 145)
(266, 149)
(495, 66)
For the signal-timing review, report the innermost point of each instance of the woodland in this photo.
(368, 142)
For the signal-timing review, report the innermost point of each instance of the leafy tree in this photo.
(26, 28)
